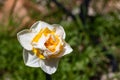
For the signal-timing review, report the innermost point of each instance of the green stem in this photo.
(48, 77)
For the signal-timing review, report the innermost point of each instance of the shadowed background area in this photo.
(92, 29)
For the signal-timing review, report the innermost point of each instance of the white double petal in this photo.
(59, 30)
(48, 65)
(25, 37)
(36, 27)
(30, 59)
(66, 50)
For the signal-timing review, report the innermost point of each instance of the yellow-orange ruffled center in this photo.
(50, 44)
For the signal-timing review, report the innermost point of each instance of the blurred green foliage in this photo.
(87, 60)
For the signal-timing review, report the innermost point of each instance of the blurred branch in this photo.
(83, 15)
(13, 6)
(39, 9)
(84, 10)
(64, 9)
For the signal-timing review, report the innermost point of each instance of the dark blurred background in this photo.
(92, 28)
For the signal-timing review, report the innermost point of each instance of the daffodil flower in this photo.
(43, 46)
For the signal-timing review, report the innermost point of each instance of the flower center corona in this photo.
(50, 44)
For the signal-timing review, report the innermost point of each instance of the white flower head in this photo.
(44, 45)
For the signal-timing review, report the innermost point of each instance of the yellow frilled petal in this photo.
(44, 31)
(38, 53)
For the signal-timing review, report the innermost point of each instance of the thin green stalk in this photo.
(48, 77)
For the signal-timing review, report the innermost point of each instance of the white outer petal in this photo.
(37, 26)
(66, 50)
(59, 30)
(30, 59)
(25, 37)
(49, 65)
